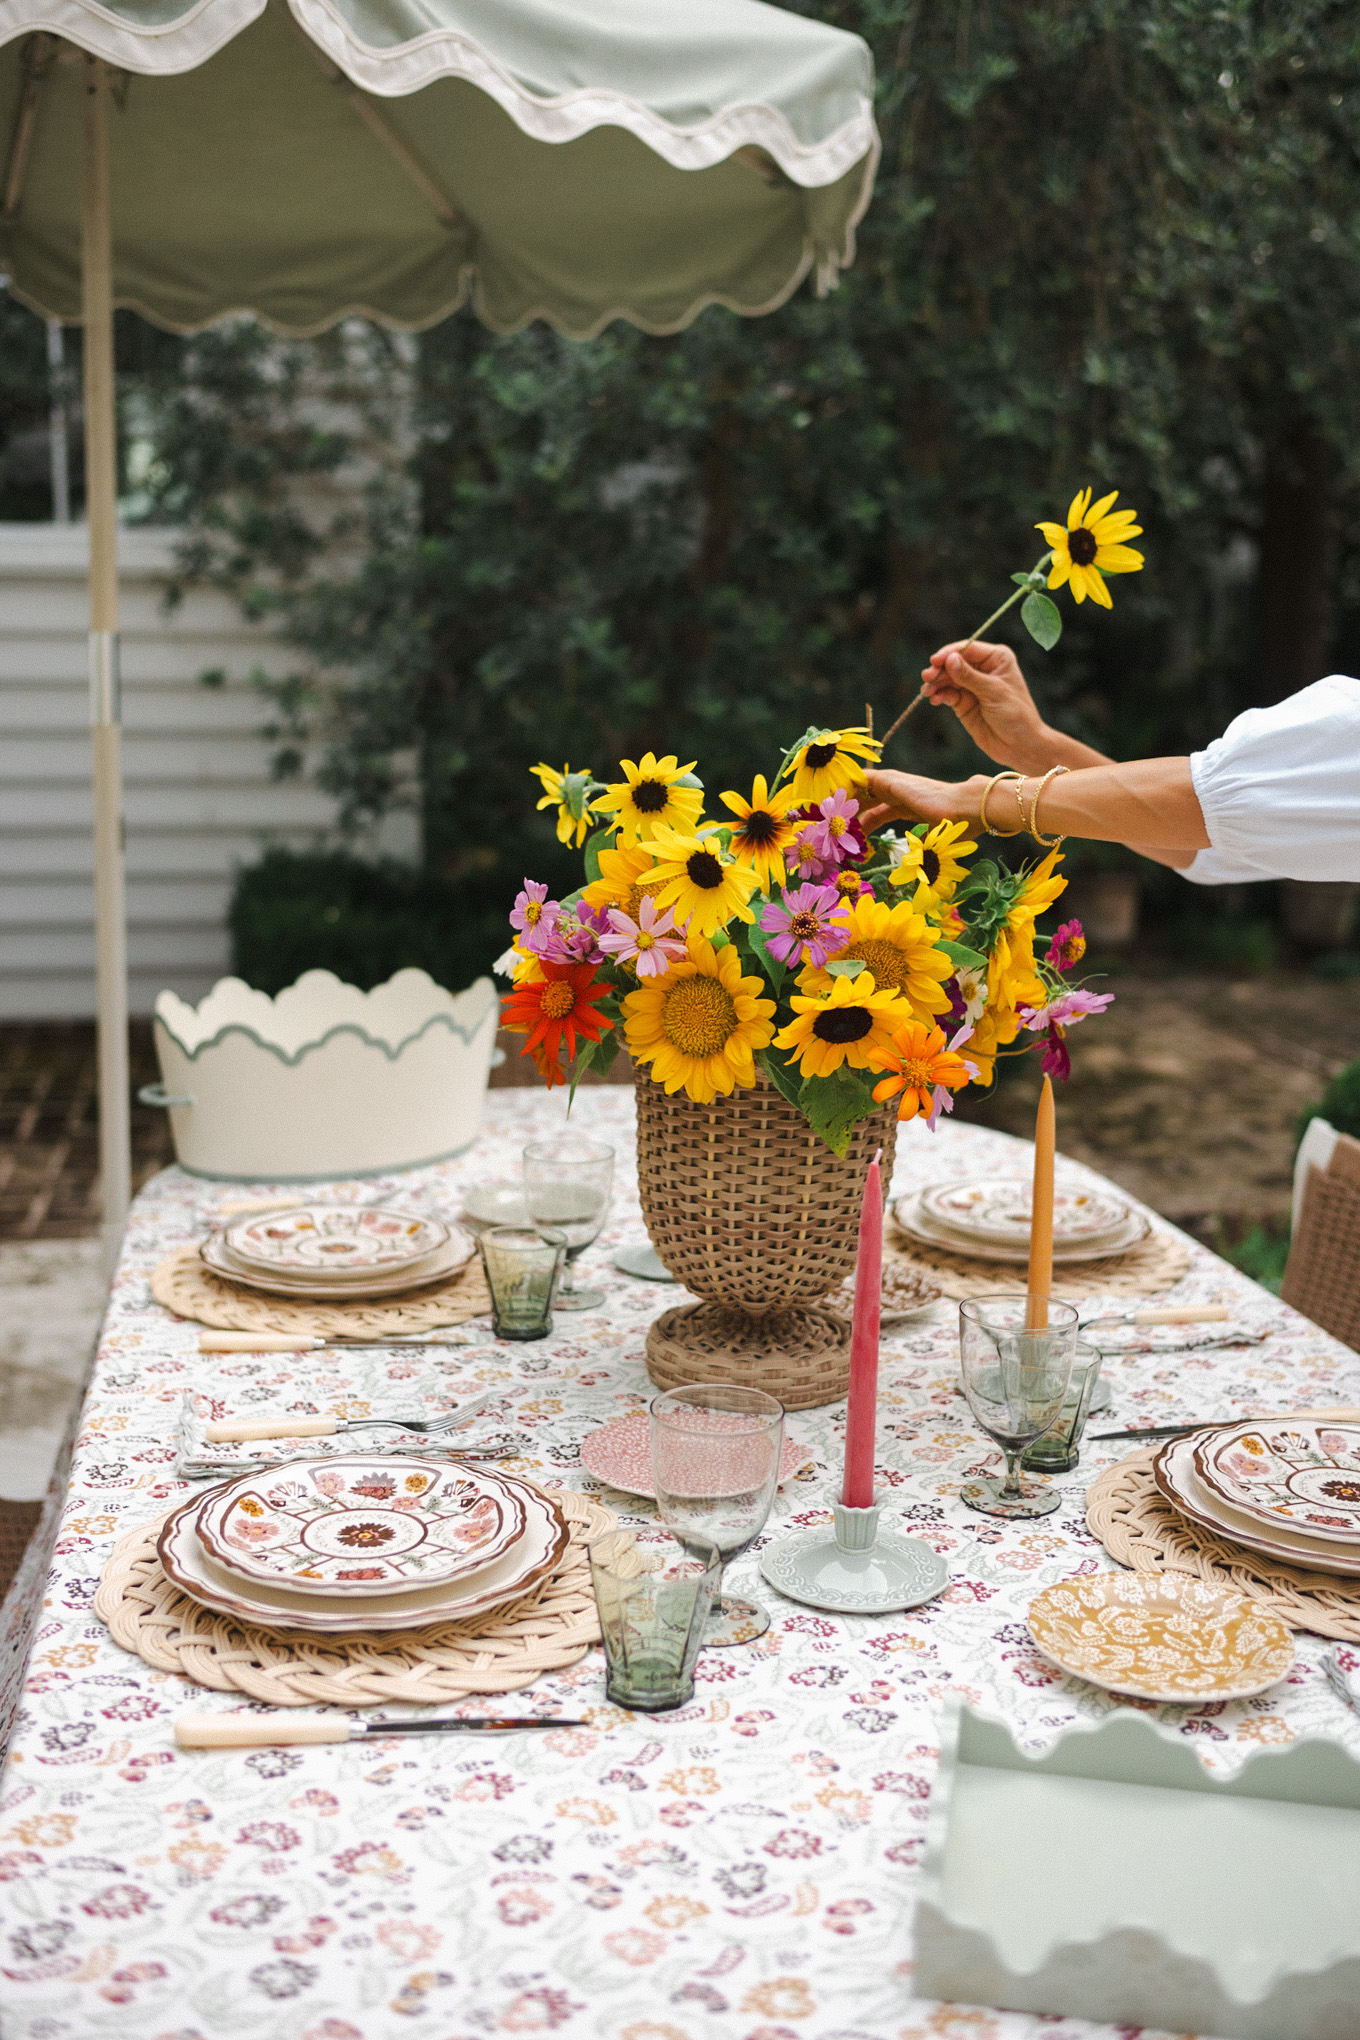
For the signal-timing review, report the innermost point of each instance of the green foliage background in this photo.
(1113, 242)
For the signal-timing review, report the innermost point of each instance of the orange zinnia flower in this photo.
(562, 1004)
(918, 1061)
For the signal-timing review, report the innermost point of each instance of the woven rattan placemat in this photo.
(1140, 1528)
(184, 1285)
(1155, 1264)
(551, 1627)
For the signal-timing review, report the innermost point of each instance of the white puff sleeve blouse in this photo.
(1280, 790)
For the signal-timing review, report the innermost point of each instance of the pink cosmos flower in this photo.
(800, 928)
(836, 834)
(651, 943)
(535, 916)
(803, 857)
(1067, 947)
(1065, 1010)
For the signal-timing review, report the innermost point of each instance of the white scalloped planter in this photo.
(324, 1080)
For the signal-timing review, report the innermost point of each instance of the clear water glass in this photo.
(1057, 1451)
(716, 1452)
(652, 1622)
(1016, 1369)
(568, 1184)
(521, 1271)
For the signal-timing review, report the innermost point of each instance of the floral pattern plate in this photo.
(1305, 1474)
(515, 1573)
(362, 1524)
(620, 1455)
(1173, 1469)
(917, 1224)
(334, 1238)
(321, 1288)
(1000, 1212)
(1161, 1636)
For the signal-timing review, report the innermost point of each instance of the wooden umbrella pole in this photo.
(101, 497)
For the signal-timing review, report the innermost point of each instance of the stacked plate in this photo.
(1289, 1490)
(990, 1220)
(337, 1253)
(362, 1542)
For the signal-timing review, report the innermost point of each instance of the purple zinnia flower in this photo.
(572, 941)
(1056, 1060)
(1067, 947)
(535, 916)
(800, 928)
(836, 834)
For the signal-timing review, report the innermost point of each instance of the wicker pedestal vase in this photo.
(751, 1210)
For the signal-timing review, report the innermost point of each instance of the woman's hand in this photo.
(988, 693)
(894, 796)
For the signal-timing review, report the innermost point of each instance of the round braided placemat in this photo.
(1155, 1264)
(549, 1628)
(801, 1355)
(1139, 1528)
(184, 1285)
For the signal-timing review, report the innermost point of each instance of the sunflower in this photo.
(627, 877)
(899, 946)
(700, 1026)
(561, 1004)
(933, 863)
(705, 893)
(569, 792)
(830, 759)
(855, 1026)
(917, 1061)
(650, 793)
(764, 831)
(1092, 544)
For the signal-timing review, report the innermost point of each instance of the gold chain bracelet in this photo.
(1044, 842)
(990, 828)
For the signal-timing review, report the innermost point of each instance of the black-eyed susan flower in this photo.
(828, 760)
(705, 890)
(899, 947)
(570, 793)
(650, 795)
(1091, 544)
(763, 831)
(933, 864)
(852, 1025)
(700, 1026)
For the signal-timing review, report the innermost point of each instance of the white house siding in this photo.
(199, 798)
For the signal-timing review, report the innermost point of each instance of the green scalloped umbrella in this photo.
(569, 160)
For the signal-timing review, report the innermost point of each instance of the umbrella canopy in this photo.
(569, 160)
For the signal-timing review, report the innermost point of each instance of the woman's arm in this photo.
(987, 692)
(1150, 805)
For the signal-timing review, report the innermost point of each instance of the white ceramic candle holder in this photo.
(851, 1567)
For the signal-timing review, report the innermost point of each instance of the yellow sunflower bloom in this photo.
(649, 794)
(627, 877)
(933, 864)
(569, 793)
(899, 946)
(854, 1026)
(1091, 544)
(705, 893)
(700, 1025)
(763, 831)
(830, 760)
(917, 1061)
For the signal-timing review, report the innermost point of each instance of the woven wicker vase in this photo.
(751, 1210)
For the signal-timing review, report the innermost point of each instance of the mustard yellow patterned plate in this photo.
(1161, 1636)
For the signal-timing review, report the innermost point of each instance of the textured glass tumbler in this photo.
(1057, 1451)
(1015, 1376)
(652, 1623)
(521, 1269)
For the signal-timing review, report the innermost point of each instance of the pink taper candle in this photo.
(861, 1418)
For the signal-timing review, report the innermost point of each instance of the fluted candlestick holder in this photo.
(851, 1566)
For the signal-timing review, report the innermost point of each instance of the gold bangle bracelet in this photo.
(990, 828)
(1045, 842)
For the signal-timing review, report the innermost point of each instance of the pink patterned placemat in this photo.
(620, 1455)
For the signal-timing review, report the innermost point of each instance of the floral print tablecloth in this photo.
(743, 1869)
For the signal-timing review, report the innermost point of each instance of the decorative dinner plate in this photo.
(917, 1224)
(329, 1238)
(507, 1578)
(906, 1293)
(1161, 1636)
(446, 1261)
(1305, 1474)
(620, 1454)
(1173, 1469)
(365, 1523)
(1000, 1212)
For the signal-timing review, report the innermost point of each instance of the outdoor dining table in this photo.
(743, 1868)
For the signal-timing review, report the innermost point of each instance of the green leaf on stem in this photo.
(784, 1076)
(591, 854)
(760, 949)
(849, 966)
(834, 1105)
(962, 957)
(1042, 619)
